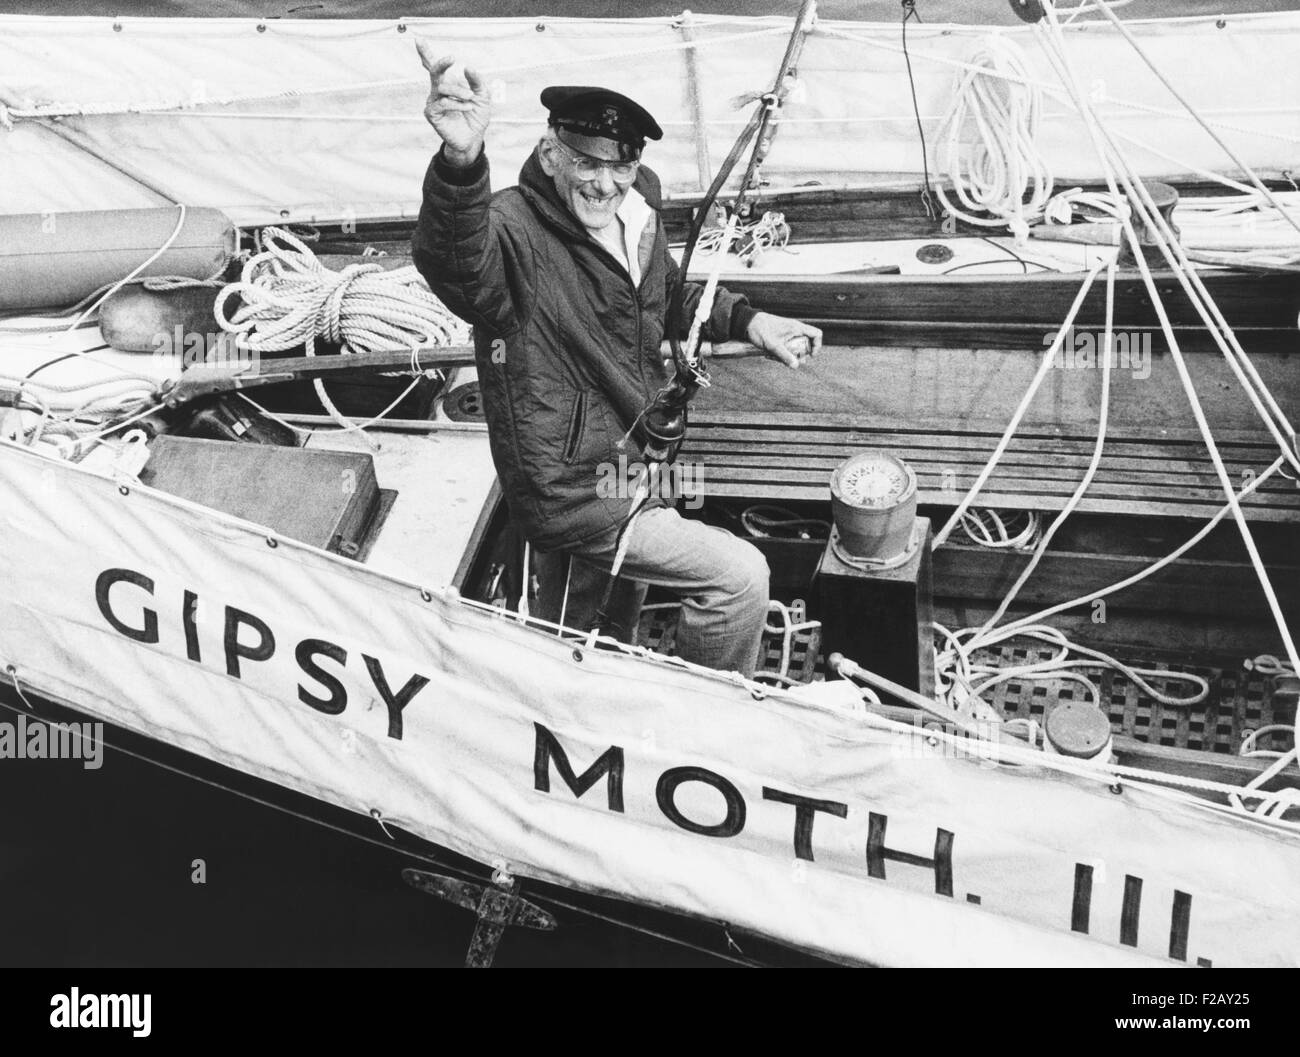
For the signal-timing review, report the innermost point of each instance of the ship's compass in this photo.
(873, 503)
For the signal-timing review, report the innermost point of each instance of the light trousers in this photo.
(722, 582)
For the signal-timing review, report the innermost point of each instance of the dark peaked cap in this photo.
(592, 111)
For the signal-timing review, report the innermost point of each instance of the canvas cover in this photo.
(612, 774)
(299, 120)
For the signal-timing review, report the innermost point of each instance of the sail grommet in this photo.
(401, 27)
(577, 655)
(123, 489)
(426, 594)
(272, 542)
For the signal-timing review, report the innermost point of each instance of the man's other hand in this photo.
(784, 339)
(459, 106)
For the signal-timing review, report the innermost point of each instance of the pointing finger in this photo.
(436, 67)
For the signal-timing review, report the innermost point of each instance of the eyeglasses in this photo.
(589, 168)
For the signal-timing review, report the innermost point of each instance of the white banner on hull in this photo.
(604, 772)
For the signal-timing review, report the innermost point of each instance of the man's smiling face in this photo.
(592, 197)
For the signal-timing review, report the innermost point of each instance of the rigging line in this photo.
(390, 845)
(1215, 322)
(1204, 303)
(1091, 472)
(1184, 166)
(688, 370)
(1033, 82)
(1199, 296)
(927, 193)
(611, 57)
(1104, 8)
(1049, 358)
(774, 101)
(1013, 751)
(1248, 539)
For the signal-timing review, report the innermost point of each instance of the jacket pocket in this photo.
(577, 421)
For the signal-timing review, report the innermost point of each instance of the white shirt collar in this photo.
(634, 212)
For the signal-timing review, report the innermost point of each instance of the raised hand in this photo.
(459, 106)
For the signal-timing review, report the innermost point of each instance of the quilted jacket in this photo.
(568, 350)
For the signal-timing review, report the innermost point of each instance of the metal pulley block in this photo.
(1029, 10)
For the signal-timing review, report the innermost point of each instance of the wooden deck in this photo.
(1150, 472)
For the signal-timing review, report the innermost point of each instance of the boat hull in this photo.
(789, 816)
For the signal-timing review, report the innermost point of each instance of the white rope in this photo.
(188, 106)
(748, 240)
(997, 529)
(1184, 270)
(101, 398)
(958, 676)
(985, 143)
(1045, 365)
(792, 624)
(1033, 82)
(1004, 751)
(1110, 15)
(1163, 237)
(1077, 496)
(291, 299)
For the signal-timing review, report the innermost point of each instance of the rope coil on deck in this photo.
(290, 299)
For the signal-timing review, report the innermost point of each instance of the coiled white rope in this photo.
(793, 621)
(749, 240)
(985, 144)
(963, 681)
(1001, 529)
(291, 299)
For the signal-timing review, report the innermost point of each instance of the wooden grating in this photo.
(1238, 703)
(1162, 472)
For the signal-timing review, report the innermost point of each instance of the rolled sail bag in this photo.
(51, 260)
(150, 315)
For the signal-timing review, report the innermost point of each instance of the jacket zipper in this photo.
(627, 276)
(636, 302)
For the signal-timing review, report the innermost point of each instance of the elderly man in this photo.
(565, 278)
